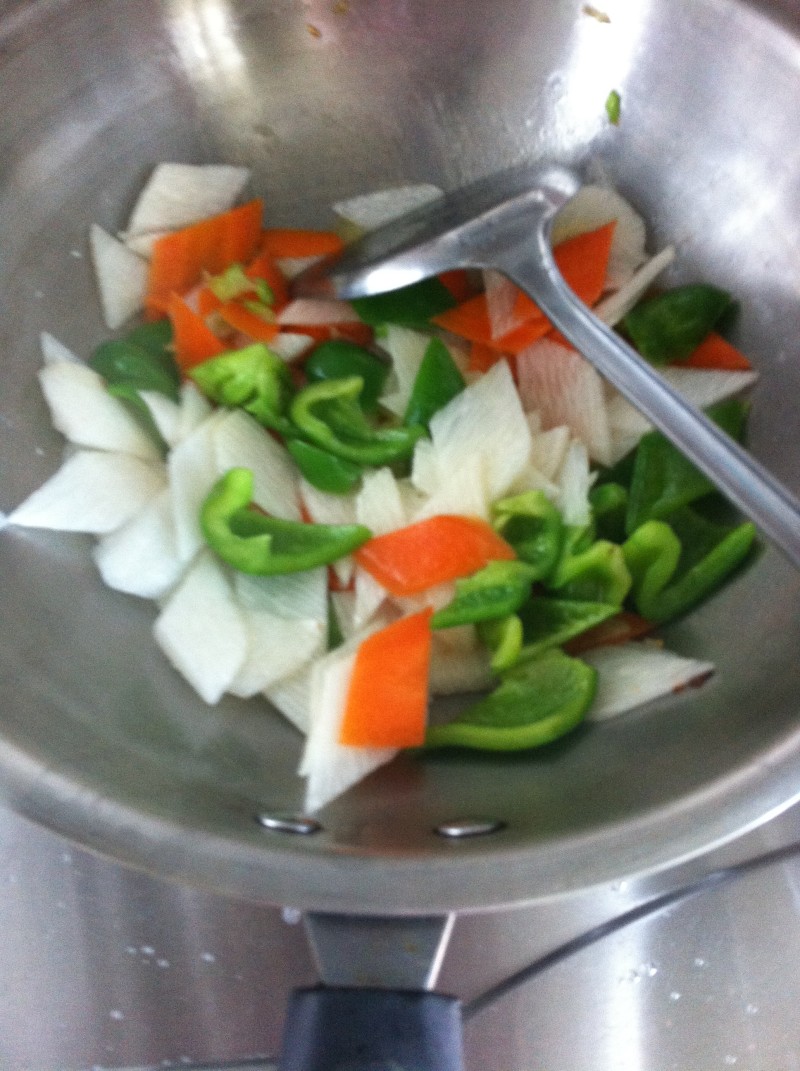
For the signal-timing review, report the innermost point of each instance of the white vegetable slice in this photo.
(485, 421)
(141, 558)
(142, 244)
(292, 596)
(549, 449)
(330, 767)
(379, 504)
(565, 389)
(195, 408)
(201, 629)
(291, 267)
(239, 441)
(192, 471)
(53, 351)
(617, 305)
(406, 348)
(594, 206)
(93, 491)
(632, 674)
(370, 597)
(463, 490)
(324, 508)
(121, 277)
(292, 697)
(575, 482)
(371, 210)
(309, 312)
(458, 668)
(289, 345)
(179, 194)
(166, 415)
(86, 414)
(501, 300)
(276, 648)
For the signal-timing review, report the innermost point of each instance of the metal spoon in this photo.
(504, 223)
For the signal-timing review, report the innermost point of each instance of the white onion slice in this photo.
(632, 674)
(121, 277)
(179, 194)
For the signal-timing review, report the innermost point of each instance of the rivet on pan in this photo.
(289, 823)
(469, 827)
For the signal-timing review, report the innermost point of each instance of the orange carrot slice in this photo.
(192, 340)
(264, 267)
(419, 556)
(291, 242)
(249, 323)
(180, 259)
(716, 352)
(458, 282)
(482, 357)
(387, 701)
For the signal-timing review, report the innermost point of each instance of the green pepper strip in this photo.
(497, 590)
(329, 415)
(663, 480)
(533, 527)
(140, 361)
(437, 382)
(254, 543)
(504, 638)
(253, 379)
(596, 573)
(324, 471)
(339, 359)
(549, 622)
(410, 306)
(534, 704)
(609, 504)
(668, 327)
(675, 566)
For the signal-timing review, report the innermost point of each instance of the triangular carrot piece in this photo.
(193, 341)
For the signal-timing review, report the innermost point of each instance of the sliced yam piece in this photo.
(632, 674)
(549, 450)
(291, 345)
(379, 503)
(293, 596)
(240, 441)
(121, 277)
(195, 408)
(54, 352)
(323, 508)
(201, 629)
(291, 267)
(165, 413)
(594, 206)
(370, 210)
(344, 607)
(464, 490)
(302, 312)
(459, 667)
(177, 195)
(574, 483)
(291, 696)
(486, 422)
(276, 649)
(141, 558)
(330, 767)
(82, 409)
(406, 349)
(370, 597)
(142, 244)
(94, 491)
(617, 305)
(565, 389)
(192, 471)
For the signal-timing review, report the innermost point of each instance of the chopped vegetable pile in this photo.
(353, 507)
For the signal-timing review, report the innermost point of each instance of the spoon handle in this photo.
(746, 483)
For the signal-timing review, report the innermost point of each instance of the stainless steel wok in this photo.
(99, 739)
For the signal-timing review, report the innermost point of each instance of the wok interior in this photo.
(99, 738)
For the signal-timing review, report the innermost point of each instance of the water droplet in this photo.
(163, 963)
(66, 857)
(76, 253)
(116, 1015)
(730, 1060)
(649, 970)
(131, 950)
(674, 995)
(751, 1009)
(699, 961)
(291, 915)
(147, 950)
(619, 886)
(208, 957)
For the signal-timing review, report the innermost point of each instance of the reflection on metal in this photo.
(289, 823)
(383, 953)
(460, 828)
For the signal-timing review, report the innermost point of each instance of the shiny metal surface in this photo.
(99, 738)
(107, 968)
(503, 223)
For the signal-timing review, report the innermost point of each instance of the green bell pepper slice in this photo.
(594, 573)
(609, 507)
(675, 566)
(339, 359)
(504, 638)
(410, 306)
(534, 704)
(329, 415)
(497, 590)
(323, 470)
(252, 542)
(140, 361)
(663, 480)
(234, 282)
(438, 381)
(253, 379)
(549, 622)
(534, 528)
(670, 326)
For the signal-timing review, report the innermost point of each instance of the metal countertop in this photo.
(107, 968)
